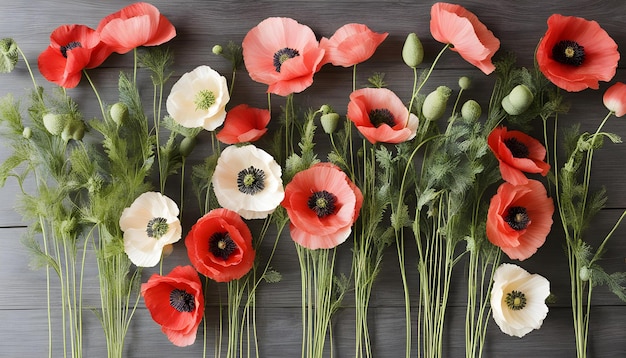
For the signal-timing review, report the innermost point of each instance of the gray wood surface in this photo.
(202, 23)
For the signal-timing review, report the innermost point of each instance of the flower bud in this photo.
(78, 131)
(217, 49)
(119, 113)
(471, 110)
(167, 250)
(435, 103)
(27, 132)
(187, 145)
(325, 109)
(412, 51)
(518, 100)
(329, 122)
(465, 83)
(54, 123)
(8, 55)
(584, 273)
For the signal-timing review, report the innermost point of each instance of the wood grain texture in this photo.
(201, 24)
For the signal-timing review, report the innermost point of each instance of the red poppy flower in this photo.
(614, 99)
(283, 54)
(351, 44)
(139, 24)
(453, 24)
(219, 245)
(520, 218)
(517, 152)
(244, 124)
(323, 204)
(575, 53)
(176, 302)
(72, 49)
(381, 116)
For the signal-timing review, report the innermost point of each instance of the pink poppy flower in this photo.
(381, 116)
(176, 303)
(575, 53)
(322, 204)
(138, 24)
(244, 124)
(351, 44)
(520, 218)
(283, 54)
(453, 24)
(614, 99)
(72, 49)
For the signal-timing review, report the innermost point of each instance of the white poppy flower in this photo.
(149, 224)
(247, 180)
(199, 98)
(518, 300)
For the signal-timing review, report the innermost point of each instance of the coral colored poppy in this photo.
(72, 49)
(381, 116)
(517, 153)
(219, 245)
(139, 24)
(520, 218)
(283, 54)
(176, 303)
(575, 53)
(322, 204)
(455, 25)
(614, 99)
(244, 124)
(351, 44)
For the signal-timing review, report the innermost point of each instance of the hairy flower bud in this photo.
(435, 103)
(465, 83)
(412, 51)
(119, 112)
(518, 100)
(54, 123)
(187, 145)
(27, 132)
(325, 109)
(8, 55)
(471, 110)
(217, 50)
(584, 273)
(329, 122)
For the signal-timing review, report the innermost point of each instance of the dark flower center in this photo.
(569, 53)
(221, 245)
(69, 46)
(251, 180)
(382, 116)
(157, 227)
(182, 301)
(517, 148)
(283, 55)
(517, 218)
(322, 203)
(515, 300)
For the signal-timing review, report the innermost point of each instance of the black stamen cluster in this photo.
(517, 148)
(517, 218)
(221, 245)
(69, 46)
(182, 301)
(569, 53)
(382, 116)
(322, 203)
(251, 180)
(282, 55)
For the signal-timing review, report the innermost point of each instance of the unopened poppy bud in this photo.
(329, 122)
(412, 51)
(217, 50)
(465, 83)
(78, 131)
(167, 250)
(119, 113)
(8, 55)
(435, 103)
(54, 123)
(584, 273)
(27, 132)
(518, 100)
(187, 145)
(471, 110)
(325, 109)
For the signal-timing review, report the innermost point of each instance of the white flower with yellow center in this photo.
(199, 98)
(149, 224)
(518, 300)
(247, 180)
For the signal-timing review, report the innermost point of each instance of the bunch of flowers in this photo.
(471, 188)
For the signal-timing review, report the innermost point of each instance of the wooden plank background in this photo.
(201, 24)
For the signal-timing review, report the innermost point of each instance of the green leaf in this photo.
(8, 55)
(272, 276)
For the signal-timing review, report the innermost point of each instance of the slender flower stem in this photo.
(95, 91)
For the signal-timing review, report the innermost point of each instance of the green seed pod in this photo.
(54, 123)
(465, 83)
(217, 50)
(119, 113)
(435, 103)
(412, 51)
(329, 122)
(471, 110)
(187, 145)
(584, 273)
(27, 132)
(518, 100)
